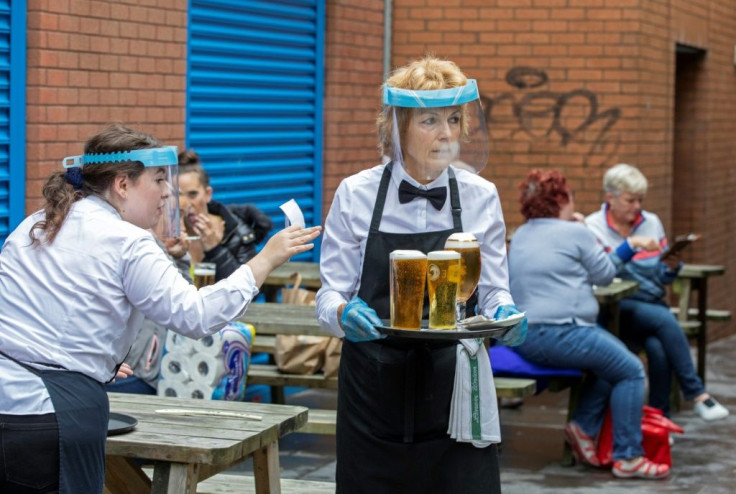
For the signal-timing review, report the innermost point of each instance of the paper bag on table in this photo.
(333, 350)
(299, 354)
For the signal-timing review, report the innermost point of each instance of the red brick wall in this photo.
(705, 141)
(353, 76)
(94, 62)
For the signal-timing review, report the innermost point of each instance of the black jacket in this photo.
(245, 227)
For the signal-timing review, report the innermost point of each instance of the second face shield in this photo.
(431, 130)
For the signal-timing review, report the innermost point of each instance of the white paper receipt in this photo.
(293, 212)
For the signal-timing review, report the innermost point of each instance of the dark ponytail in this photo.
(96, 179)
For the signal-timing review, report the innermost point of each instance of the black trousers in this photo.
(29, 454)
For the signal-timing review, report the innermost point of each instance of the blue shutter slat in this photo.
(225, 123)
(219, 93)
(253, 65)
(12, 114)
(213, 77)
(240, 49)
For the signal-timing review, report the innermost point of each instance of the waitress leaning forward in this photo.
(76, 279)
(394, 394)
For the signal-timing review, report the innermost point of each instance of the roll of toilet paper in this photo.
(235, 335)
(198, 391)
(173, 389)
(174, 367)
(205, 369)
(178, 343)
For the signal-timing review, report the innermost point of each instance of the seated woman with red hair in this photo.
(553, 262)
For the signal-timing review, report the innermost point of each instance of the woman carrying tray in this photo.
(395, 394)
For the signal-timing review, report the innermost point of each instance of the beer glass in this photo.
(469, 249)
(204, 274)
(408, 272)
(443, 280)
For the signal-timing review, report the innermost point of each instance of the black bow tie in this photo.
(437, 195)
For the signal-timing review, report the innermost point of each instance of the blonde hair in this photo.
(426, 74)
(624, 178)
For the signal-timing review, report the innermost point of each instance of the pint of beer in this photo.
(467, 246)
(443, 279)
(407, 273)
(204, 274)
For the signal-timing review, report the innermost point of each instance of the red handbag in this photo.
(655, 429)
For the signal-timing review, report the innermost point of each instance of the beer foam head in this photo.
(461, 240)
(443, 255)
(204, 271)
(407, 254)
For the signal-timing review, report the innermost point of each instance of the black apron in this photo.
(393, 402)
(82, 411)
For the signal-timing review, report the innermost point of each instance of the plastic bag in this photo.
(655, 428)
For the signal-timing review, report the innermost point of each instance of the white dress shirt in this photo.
(78, 302)
(346, 232)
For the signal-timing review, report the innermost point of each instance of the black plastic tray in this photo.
(442, 334)
(120, 423)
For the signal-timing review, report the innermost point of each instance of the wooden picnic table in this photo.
(187, 449)
(695, 277)
(272, 319)
(609, 297)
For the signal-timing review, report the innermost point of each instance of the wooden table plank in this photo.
(282, 274)
(274, 318)
(184, 438)
(701, 270)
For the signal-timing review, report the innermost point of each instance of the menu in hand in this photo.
(681, 241)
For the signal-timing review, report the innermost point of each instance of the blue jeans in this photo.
(130, 384)
(617, 375)
(660, 375)
(640, 323)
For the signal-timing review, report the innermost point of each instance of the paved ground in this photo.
(704, 458)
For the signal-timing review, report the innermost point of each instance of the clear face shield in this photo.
(164, 165)
(431, 130)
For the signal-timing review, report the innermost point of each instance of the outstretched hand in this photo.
(283, 245)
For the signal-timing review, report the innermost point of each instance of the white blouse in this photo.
(346, 232)
(79, 302)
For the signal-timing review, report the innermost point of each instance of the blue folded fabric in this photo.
(506, 362)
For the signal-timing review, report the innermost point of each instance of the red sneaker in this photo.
(583, 447)
(642, 469)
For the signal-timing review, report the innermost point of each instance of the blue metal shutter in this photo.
(254, 102)
(12, 115)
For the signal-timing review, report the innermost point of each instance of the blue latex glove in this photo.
(517, 334)
(358, 321)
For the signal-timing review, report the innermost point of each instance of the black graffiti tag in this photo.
(591, 129)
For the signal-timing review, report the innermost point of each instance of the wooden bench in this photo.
(710, 314)
(227, 483)
(506, 387)
(324, 421)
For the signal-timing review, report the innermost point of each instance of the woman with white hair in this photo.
(645, 317)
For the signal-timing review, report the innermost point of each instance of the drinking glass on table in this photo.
(469, 249)
(204, 273)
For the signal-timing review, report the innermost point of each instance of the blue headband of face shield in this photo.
(163, 156)
(435, 98)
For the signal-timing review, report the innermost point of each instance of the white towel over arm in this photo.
(474, 410)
